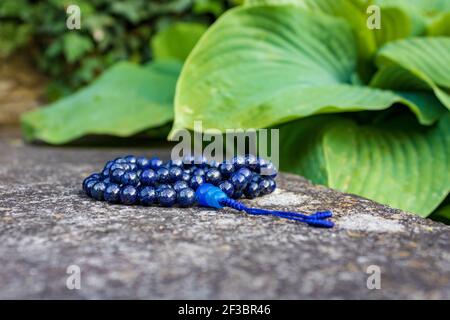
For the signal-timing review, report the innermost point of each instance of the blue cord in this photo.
(209, 195)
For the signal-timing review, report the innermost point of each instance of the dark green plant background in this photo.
(111, 31)
(359, 110)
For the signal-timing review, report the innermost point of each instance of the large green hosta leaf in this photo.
(399, 163)
(125, 100)
(263, 65)
(426, 59)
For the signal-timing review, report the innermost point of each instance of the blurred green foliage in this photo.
(110, 31)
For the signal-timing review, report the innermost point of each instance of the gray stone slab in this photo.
(47, 224)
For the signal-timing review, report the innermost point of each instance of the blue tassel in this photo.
(209, 195)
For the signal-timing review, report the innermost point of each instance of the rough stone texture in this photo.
(46, 224)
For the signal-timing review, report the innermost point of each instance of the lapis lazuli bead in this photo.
(112, 193)
(227, 187)
(88, 186)
(176, 163)
(185, 177)
(237, 194)
(147, 196)
(269, 170)
(180, 185)
(213, 176)
(116, 175)
(148, 177)
(163, 186)
(264, 186)
(238, 162)
(131, 159)
(155, 163)
(97, 190)
(116, 166)
(167, 197)
(163, 175)
(175, 173)
(128, 195)
(226, 169)
(196, 181)
(251, 162)
(186, 197)
(246, 173)
(251, 191)
(143, 163)
(239, 181)
(130, 178)
(198, 172)
(120, 160)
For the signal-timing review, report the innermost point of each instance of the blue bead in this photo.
(264, 186)
(163, 186)
(213, 176)
(188, 161)
(226, 169)
(246, 173)
(175, 173)
(186, 197)
(105, 173)
(255, 178)
(272, 186)
(167, 197)
(227, 187)
(237, 194)
(88, 184)
(180, 185)
(130, 178)
(251, 162)
(252, 190)
(131, 159)
(97, 190)
(148, 177)
(116, 166)
(120, 161)
(112, 193)
(116, 175)
(128, 195)
(176, 163)
(238, 162)
(261, 163)
(198, 172)
(155, 163)
(147, 196)
(196, 181)
(239, 181)
(163, 175)
(94, 176)
(143, 163)
(108, 164)
(185, 177)
(269, 170)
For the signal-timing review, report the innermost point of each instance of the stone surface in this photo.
(47, 225)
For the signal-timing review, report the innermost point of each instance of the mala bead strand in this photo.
(133, 180)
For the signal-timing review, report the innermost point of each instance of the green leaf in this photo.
(440, 25)
(76, 46)
(124, 100)
(177, 41)
(442, 214)
(425, 105)
(425, 58)
(398, 163)
(258, 66)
